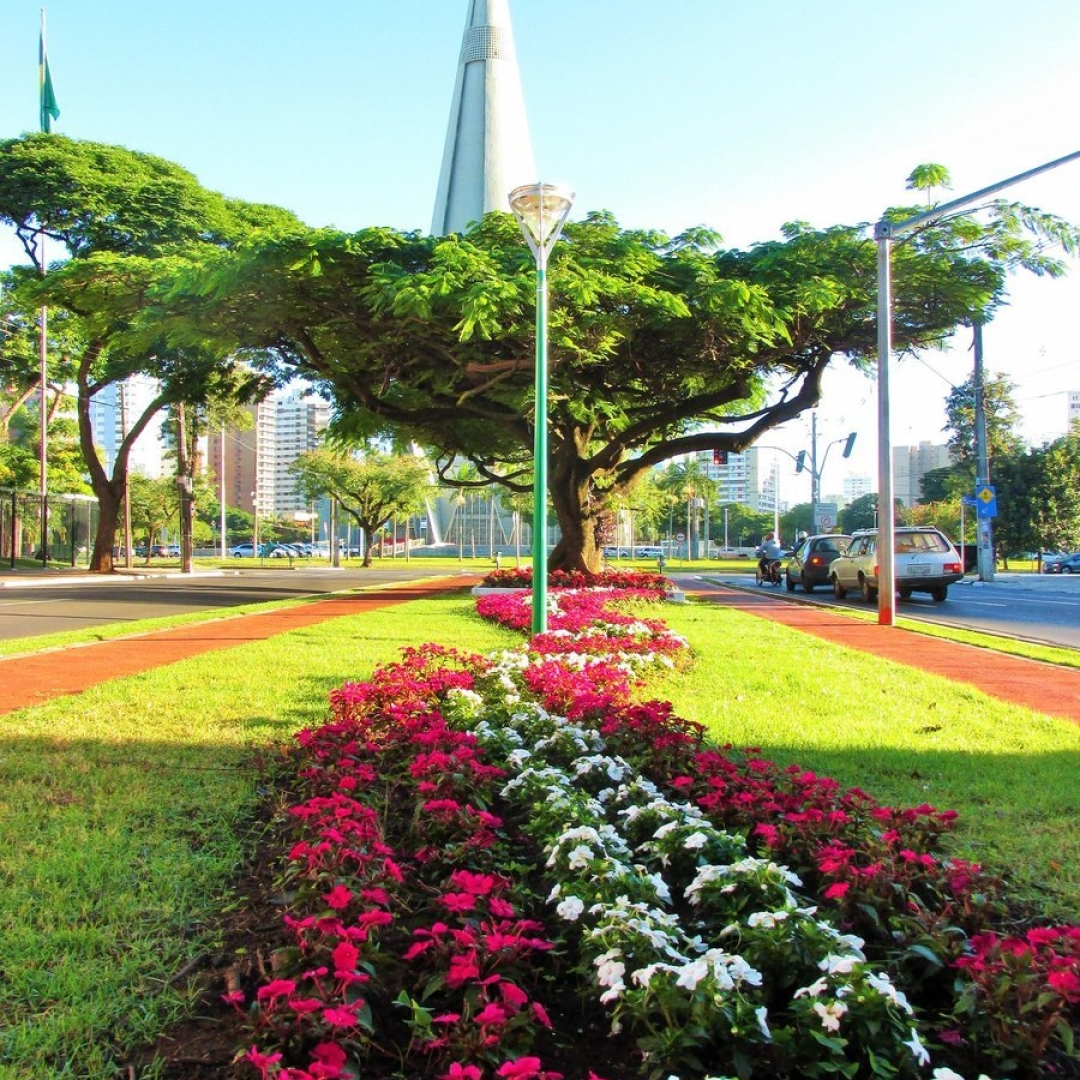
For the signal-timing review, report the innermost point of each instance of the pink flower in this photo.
(338, 897)
(344, 1016)
(462, 1072)
(277, 988)
(837, 891)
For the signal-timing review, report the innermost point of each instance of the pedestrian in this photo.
(498, 560)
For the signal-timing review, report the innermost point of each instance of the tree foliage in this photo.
(372, 490)
(115, 226)
(658, 347)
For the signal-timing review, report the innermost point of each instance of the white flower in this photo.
(837, 965)
(914, 1044)
(814, 989)
(692, 974)
(579, 857)
(945, 1073)
(695, 840)
(762, 1014)
(570, 909)
(830, 1014)
(883, 985)
(609, 971)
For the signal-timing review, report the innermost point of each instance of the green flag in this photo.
(50, 111)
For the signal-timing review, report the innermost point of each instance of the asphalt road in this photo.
(29, 608)
(1043, 608)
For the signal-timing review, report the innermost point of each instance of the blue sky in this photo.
(739, 116)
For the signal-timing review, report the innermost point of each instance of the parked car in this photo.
(924, 560)
(616, 553)
(811, 560)
(648, 552)
(166, 551)
(1062, 564)
(243, 551)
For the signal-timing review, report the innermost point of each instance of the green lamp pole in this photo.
(541, 211)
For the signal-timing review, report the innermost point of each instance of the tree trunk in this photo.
(110, 496)
(369, 537)
(577, 514)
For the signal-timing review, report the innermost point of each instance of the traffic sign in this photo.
(987, 501)
(680, 537)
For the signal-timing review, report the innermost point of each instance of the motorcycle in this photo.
(767, 572)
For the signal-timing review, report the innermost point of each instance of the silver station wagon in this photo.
(924, 561)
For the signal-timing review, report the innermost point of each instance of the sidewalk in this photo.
(37, 677)
(1045, 688)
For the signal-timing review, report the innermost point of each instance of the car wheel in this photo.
(940, 593)
(905, 594)
(1067, 570)
(869, 593)
(807, 584)
(838, 590)
(789, 582)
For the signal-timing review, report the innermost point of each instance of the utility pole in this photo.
(985, 525)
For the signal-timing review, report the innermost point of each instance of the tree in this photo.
(155, 503)
(658, 347)
(745, 525)
(860, 513)
(371, 490)
(1002, 420)
(1055, 497)
(136, 217)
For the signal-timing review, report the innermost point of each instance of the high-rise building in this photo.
(251, 465)
(488, 150)
(1074, 407)
(114, 412)
(911, 463)
(732, 478)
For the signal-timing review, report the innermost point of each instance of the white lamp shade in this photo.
(541, 210)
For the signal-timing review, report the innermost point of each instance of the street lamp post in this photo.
(884, 232)
(541, 211)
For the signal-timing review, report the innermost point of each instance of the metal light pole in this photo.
(884, 232)
(541, 211)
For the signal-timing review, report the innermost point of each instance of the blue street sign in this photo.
(986, 498)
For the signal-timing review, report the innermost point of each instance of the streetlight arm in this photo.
(890, 230)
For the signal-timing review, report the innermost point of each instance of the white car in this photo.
(924, 560)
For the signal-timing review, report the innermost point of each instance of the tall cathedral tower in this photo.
(488, 150)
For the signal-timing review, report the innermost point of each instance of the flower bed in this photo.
(508, 867)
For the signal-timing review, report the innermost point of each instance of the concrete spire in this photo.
(488, 150)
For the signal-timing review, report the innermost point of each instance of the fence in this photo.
(56, 528)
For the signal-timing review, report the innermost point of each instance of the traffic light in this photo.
(800, 461)
(719, 457)
(849, 444)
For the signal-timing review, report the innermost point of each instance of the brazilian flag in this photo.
(50, 111)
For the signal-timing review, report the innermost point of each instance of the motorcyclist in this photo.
(770, 551)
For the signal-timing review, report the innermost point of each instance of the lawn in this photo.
(130, 810)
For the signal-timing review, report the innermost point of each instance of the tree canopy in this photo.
(371, 490)
(122, 224)
(658, 346)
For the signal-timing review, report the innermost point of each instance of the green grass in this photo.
(128, 809)
(903, 735)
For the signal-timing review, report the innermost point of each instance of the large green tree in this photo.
(136, 217)
(658, 347)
